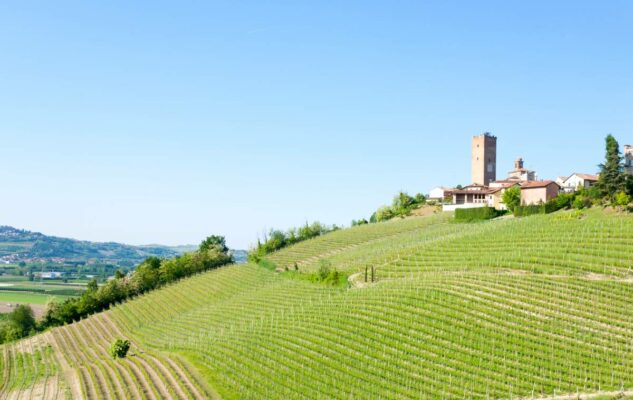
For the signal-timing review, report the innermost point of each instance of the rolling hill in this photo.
(21, 245)
(536, 307)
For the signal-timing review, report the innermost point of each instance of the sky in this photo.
(165, 122)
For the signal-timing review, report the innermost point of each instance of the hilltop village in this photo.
(486, 190)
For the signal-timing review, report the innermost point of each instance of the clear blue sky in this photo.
(156, 122)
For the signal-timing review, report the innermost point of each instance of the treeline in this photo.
(277, 239)
(401, 206)
(151, 274)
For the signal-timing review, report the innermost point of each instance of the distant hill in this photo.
(18, 245)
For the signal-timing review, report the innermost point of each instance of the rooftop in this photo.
(537, 184)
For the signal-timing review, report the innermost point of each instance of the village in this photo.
(487, 191)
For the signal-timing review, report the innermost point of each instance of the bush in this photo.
(476, 214)
(119, 348)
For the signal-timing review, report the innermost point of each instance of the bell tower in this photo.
(484, 159)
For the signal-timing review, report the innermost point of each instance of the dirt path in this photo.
(71, 375)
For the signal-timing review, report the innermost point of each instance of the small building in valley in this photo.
(538, 192)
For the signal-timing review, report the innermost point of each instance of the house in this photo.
(576, 181)
(497, 190)
(472, 196)
(538, 192)
(439, 193)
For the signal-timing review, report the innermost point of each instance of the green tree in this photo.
(119, 348)
(622, 200)
(384, 213)
(214, 241)
(512, 198)
(629, 185)
(612, 178)
(22, 319)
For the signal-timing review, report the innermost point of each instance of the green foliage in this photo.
(359, 222)
(384, 213)
(214, 242)
(476, 214)
(612, 178)
(328, 275)
(532, 209)
(17, 324)
(512, 198)
(149, 275)
(119, 348)
(276, 239)
(401, 206)
(622, 199)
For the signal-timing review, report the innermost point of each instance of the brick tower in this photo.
(484, 159)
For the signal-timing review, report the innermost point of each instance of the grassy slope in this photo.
(503, 309)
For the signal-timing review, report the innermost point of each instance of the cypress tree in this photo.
(612, 179)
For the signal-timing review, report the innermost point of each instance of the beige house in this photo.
(495, 198)
(538, 192)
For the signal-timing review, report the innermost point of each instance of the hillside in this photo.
(537, 307)
(20, 245)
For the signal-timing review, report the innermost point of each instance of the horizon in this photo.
(163, 125)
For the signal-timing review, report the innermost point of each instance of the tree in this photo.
(384, 213)
(612, 178)
(512, 198)
(119, 348)
(92, 285)
(622, 200)
(214, 241)
(629, 185)
(23, 319)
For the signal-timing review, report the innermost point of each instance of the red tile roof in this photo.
(537, 184)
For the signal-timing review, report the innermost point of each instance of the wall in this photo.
(539, 195)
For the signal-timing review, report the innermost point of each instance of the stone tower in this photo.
(628, 159)
(484, 159)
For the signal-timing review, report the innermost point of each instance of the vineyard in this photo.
(537, 307)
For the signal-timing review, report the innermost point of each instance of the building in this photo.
(628, 159)
(484, 159)
(520, 173)
(495, 197)
(439, 193)
(49, 275)
(538, 192)
(576, 181)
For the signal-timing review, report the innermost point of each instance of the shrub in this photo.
(512, 198)
(119, 348)
(476, 214)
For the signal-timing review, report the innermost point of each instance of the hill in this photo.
(18, 245)
(537, 307)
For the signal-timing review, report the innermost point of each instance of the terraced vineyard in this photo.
(532, 308)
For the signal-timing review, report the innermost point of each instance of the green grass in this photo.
(28, 298)
(505, 309)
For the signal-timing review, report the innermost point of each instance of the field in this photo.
(537, 307)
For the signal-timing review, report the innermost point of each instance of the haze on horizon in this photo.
(162, 123)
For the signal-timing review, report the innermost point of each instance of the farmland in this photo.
(536, 307)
